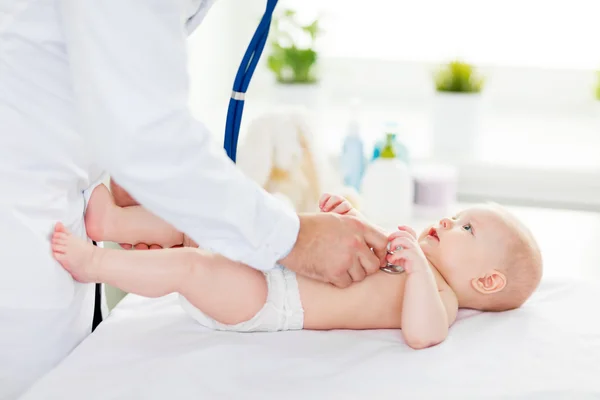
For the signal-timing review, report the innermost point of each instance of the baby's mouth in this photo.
(433, 234)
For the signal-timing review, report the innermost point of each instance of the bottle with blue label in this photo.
(352, 159)
(391, 133)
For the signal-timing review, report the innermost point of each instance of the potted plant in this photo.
(456, 111)
(293, 59)
(598, 98)
(598, 87)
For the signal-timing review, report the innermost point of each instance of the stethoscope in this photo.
(238, 94)
(391, 268)
(242, 80)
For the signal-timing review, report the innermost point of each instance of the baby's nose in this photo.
(446, 223)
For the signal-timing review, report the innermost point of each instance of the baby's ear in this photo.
(492, 282)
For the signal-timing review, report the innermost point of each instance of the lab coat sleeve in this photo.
(128, 61)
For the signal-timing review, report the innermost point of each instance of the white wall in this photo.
(217, 46)
(216, 49)
(541, 125)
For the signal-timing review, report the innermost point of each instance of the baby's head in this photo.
(487, 256)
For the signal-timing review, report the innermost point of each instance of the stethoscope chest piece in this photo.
(391, 268)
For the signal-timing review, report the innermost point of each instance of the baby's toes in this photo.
(60, 248)
(59, 227)
(60, 238)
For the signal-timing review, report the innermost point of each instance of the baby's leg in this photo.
(227, 291)
(105, 221)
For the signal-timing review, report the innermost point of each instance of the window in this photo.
(523, 33)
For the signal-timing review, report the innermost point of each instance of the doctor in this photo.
(90, 87)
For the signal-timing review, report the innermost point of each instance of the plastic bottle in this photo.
(387, 188)
(391, 128)
(352, 159)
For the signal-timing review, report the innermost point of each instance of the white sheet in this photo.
(149, 349)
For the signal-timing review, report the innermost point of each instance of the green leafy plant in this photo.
(293, 57)
(458, 77)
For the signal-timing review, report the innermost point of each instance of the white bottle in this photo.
(387, 189)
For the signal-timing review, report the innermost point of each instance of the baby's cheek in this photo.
(450, 255)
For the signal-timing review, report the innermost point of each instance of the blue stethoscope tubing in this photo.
(240, 86)
(242, 81)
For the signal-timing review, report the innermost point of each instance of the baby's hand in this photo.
(336, 204)
(410, 257)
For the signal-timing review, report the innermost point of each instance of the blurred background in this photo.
(529, 135)
(481, 100)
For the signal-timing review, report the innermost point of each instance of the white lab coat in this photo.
(95, 86)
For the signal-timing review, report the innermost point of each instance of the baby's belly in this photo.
(374, 303)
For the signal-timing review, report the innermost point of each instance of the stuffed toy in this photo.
(278, 153)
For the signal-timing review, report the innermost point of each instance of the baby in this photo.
(482, 258)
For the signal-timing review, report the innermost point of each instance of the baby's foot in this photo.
(74, 254)
(98, 214)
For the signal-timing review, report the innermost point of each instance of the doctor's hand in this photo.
(336, 249)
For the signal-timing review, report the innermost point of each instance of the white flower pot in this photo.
(302, 95)
(456, 126)
(387, 193)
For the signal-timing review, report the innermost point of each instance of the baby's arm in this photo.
(427, 312)
(105, 221)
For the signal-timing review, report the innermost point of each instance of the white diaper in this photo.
(282, 310)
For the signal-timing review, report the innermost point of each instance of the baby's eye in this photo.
(468, 227)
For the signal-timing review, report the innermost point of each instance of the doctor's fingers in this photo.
(377, 240)
(357, 271)
(362, 265)
(129, 246)
(342, 281)
(369, 261)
